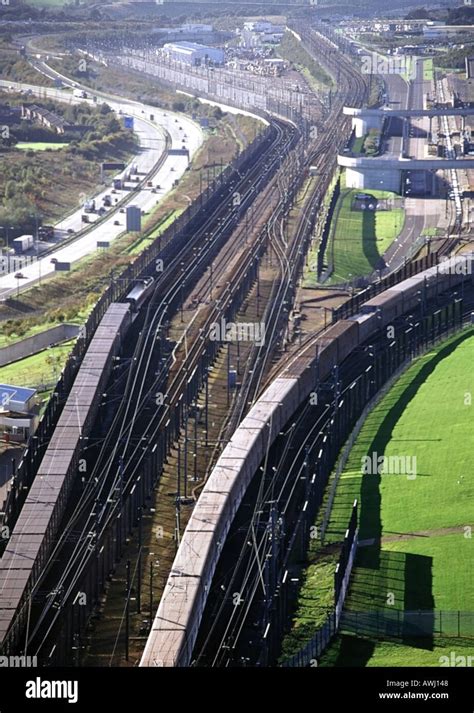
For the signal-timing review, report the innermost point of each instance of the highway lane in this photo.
(419, 212)
(152, 140)
(397, 92)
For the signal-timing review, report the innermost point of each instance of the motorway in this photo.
(398, 94)
(152, 136)
(419, 212)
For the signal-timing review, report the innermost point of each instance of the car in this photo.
(116, 222)
(172, 168)
(19, 276)
(70, 231)
(53, 260)
(158, 187)
(122, 210)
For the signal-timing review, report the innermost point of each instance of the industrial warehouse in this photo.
(194, 54)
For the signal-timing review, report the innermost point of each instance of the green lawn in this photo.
(37, 370)
(428, 70)
(429, 232)
(358, 144)
(351, 651)
(360, 238)
(40, 145)
(416, 552)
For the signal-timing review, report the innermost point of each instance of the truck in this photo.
(79, 93)
(107, 200)
(46, 232)
(89, 206)
(23, 243)
(118, 184)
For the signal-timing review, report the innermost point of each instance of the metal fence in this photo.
(311, 652)
(401, 623)
(360, 401)
(162, 247)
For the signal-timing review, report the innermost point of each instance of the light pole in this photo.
(6, 228)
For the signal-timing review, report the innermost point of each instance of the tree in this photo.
(421, 13)
(10, 189)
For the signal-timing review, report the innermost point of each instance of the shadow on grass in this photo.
(369, 241)
(390, 597)
(370, 517)
(380, 576)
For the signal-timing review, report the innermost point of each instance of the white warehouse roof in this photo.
(187, 47)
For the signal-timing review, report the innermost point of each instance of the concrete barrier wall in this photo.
(38, 342)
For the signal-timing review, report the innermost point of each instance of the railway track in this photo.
(137, 424)
(198, 561)
(121, 454)
(271, 529)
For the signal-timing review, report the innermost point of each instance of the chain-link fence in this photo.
(407, 624)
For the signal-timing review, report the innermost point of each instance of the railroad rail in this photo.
(122, 460)
(181, 608)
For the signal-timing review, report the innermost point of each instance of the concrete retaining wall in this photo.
(38, 342)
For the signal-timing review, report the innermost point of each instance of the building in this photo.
(273, 37)
(18, 413)
(195, 27)
(462, 90)
(438, 31)
(249, 39)
(193, 53)
(45, 118)
(263, 26)
(257, 32)
(53, 121)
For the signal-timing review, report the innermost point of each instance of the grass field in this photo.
(143, 242)
(30, 331)
(40, 146)
(360, 238)
(38, 370)
(428, 70)
(351, 651)
(416, 550)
